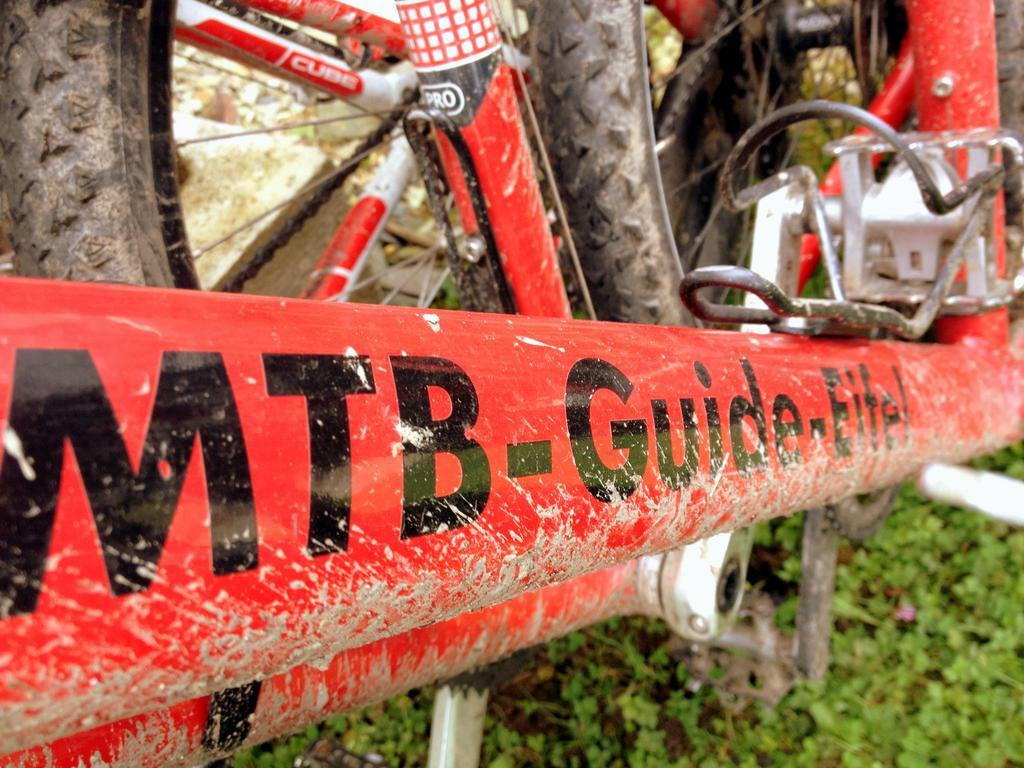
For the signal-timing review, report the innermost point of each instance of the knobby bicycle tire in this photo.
(87, 150)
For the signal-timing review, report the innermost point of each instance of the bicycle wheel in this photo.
(640, 178)
(93, 165)
(87, 143)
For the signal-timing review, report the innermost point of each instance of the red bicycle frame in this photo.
(199, 491)
(324, 476)
(456, 49)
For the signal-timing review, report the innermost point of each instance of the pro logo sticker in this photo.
(446, 97)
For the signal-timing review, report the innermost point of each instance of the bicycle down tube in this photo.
(361, 471)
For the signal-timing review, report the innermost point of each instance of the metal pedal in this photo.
(904, 240)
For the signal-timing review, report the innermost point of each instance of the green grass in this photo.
(944, 689)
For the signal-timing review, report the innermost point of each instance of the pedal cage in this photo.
(902, 250)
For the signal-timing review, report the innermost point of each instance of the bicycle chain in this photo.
(262, 255)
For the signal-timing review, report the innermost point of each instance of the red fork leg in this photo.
(957, 88)
(456, 48)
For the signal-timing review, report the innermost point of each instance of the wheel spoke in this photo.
(415, 264)
(692, 260)
(424, 288)
(376, 276)
(281, 127)
(766, 79)
(231, 73)
(311, 187)
(695, 178)
(432, 293)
